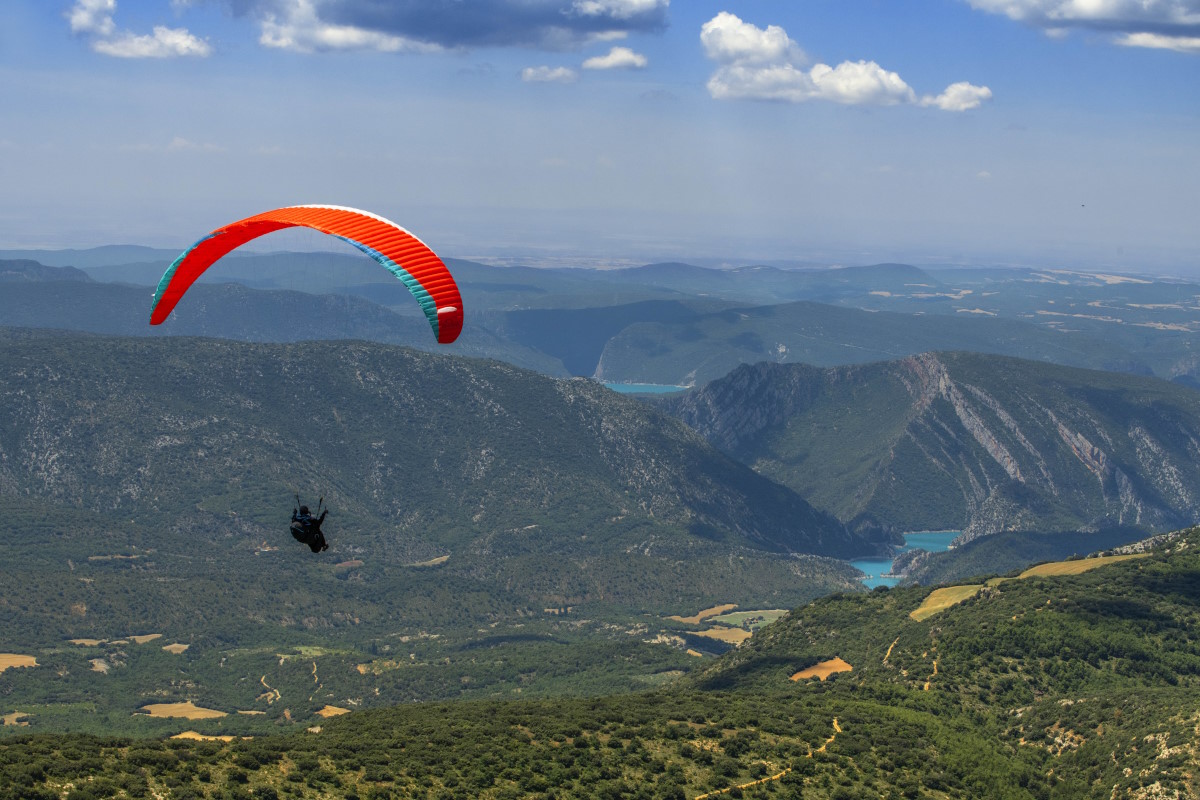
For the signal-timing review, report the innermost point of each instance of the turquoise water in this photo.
(644, 388)
(876, 568)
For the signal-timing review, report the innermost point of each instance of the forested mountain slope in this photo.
(1075, 686)
(963, 441)
(422, 450)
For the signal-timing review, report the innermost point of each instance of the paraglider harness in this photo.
(306, 528)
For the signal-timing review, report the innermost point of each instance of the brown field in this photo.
(16, 718)
(823, 670)
(706, 613)
(695, 653)
(187, 710)
(201, 737)
(332, 711)
(352, 563)
(13, 660)
(175, 648)
(734, 636)
(99, 665)
(87, 642)
(252, 713)
(941, 599)
(1076, 567)
(149, 637)
(433, 562)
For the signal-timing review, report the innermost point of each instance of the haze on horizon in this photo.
(1053, 132)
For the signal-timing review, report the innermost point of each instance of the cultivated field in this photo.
(1076, 567)
(734, 636)
(188, 710)
(8, 660)
(697, 618)
(823, 670)
(941, 599)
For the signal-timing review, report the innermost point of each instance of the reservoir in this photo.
(645, 388)
(877, 568)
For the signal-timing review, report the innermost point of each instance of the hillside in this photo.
(705, 348)
(476, 508)
(662, 323)
(1073, 686)
(434, 450)
(961, 441)
(65, 298)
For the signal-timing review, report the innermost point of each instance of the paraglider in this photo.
(404, 255)
(306, 527)
(401, 253)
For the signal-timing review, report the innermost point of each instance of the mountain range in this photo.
(963, 441)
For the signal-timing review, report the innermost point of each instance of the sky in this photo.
(591, 132)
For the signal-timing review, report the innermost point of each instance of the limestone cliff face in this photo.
(964, 441)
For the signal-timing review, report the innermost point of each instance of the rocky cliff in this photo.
(964, 441)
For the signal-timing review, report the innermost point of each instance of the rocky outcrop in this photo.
(964, 441)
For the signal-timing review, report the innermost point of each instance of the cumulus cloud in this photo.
(1164, 24)
(297, 26)
(94, 18)
(961, 96)
(619, 9)
(617, 58)
(162, 43)
(728, 40)
(765, 64)
(436, 24)
(1158, 41)
(548, 75)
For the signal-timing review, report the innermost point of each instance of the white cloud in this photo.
(162, 43)
(548, 75)
(1164, 24)
(179, 143)
(427, 25)
(728, 40)
(983, 175)
(619, 9)
(94, 18)
(298, 27)
(961, 96)
(617, 58)
(1180, 44)
(765, 64)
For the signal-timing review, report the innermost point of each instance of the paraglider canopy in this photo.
(404, 255)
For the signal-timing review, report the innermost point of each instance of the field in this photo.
(188, 710)
(734, 636)
(698, 617)
(941, 599)
(1076, 567)
(8, 660)
(823, 670)
(756, 619)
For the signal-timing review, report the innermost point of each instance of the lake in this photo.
(877, 568)
(645, 388)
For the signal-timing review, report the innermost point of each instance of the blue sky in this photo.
(587, 131)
